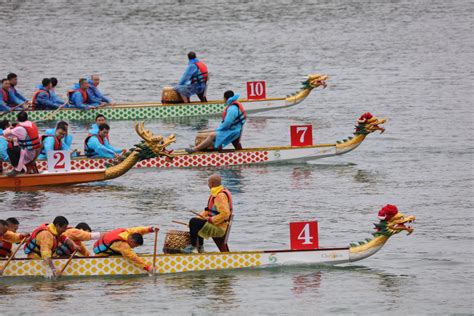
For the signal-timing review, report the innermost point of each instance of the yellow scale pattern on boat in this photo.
(120, 266)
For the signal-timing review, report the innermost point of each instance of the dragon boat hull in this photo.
(155, 110)
(102, 266)
(48, 179)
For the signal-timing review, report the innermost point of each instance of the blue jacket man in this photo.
(42, 99)
(94, 93)
(15, 97)
(230, 128)
(78, 98)
(97, 145)
(56, 139)
(194, 79)
(3, 142)
(56, 100)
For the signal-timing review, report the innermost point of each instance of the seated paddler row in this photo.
(85, 93)
(21, 144)
(59, 239)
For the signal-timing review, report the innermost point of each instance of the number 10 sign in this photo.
(59, 160)
(304, 235)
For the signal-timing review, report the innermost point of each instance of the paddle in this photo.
(197, 214)
(154, 250)
(178, 222)
(12, 256)
(53, 114)
(67, 263)
(12, 109)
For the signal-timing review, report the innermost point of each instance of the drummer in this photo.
(194, 79)
(214, 220)
(121, 241)
(230, 129)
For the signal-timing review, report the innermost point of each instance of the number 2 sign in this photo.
(256, 90)
(59, 160)
(304, 235)
(301, 135)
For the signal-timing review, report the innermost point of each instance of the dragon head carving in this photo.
(156, 144)
(367, 123)
(314, 81)
(392, 222)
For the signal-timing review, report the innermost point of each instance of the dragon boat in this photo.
(155, 110)
(173, 263)
(151, 146)
(365, 125)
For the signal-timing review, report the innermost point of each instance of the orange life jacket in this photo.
(242, 116)
(32, 140)
(35, 96)
(5, 249)
(32, 246)
(63, 249)
(84, 95)
(202, 76)
(210, 203)
(105, 242)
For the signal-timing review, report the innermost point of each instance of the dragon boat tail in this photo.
(388, 226)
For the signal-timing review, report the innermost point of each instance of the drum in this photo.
(175, 241)
(170, 96)
(201, 136)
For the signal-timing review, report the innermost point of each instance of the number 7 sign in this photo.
(304, 235)
(301, 135)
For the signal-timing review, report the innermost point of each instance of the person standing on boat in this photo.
(96, 144)
(230, 128)
(121, 241)
(45, 239)
(194, 79)
(42, 99)
(53, 140)
(78, 97)
(15, 97)
(54, 96)
(9, 236)
(94, 94)
(82, 232)
(214, 220)
(26, 144)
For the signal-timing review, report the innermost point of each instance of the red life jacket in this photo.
(58, 143)
(5, 249)
(84, 95)
(88, 151)
(32, 246)
(32, 140)
(242, 116)
(63, 249)
(210, 203)
(202, 76)
(5, 96)
(105, 242)
(35, 95)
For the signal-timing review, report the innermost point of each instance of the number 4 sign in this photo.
(256, 90)
(59, 160)
(301, 135)
(304, 235)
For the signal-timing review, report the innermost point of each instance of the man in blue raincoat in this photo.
(230, 128)
(78, 97)
(57, 139)
(42, 99)
(194, 79)
(96, 144)
(94, 94)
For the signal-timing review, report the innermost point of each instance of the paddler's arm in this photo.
(78, 101)
(142, 230)
(12, 237)
(45, 101)
(100, 149)
(222, 204)
(190, 69)
(81, 235)
(127, 252)
(16, 99)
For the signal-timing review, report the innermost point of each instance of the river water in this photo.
(408, 61)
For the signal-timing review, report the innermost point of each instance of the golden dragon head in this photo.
(157, 144)
(367, 123)
(314, 81)
(392, 221)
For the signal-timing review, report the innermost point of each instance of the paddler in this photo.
(45, 239)
(78, 97)
(53, 140)
(26, 143)
(96, 144)
(5, 102)
(99, 120)
(121, 241)
(82, 232)
(15, 97)
(42, 98)
(9, 236)
(94, 93)
(194, 79)
(57, 100)
(214, 220)
(230, 128)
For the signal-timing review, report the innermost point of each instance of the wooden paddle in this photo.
(154, 250)
(12, 109)
(178, 222)
(67, 263)
(197, 214)
(53, 114)
(13, 254)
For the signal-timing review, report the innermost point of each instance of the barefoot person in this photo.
(214, 220)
